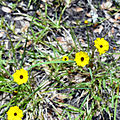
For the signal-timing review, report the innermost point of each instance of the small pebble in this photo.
(116, 56)
(6, 9)
(78, 9)
(118, 42)
(18, 18)
(1, 34)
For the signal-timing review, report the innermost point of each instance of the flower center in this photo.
(65, 59)
(101, 46)
(82, 58)
(21, 76)
(15, 114)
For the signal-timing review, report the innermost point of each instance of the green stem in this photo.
(50, 62)
(116, 102)
(23, 54)
(88, 48)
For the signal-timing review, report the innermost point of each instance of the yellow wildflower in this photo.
(65, 58)
(20, 76)
(102, 45)
(15, 92)
(81, 58)
(86, 22)
(14, 113)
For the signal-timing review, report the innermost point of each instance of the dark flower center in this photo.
(65, 59)
(15, 114)
(21, 76)
(101, 46)
(82, 58)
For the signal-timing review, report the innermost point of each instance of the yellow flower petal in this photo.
(86, 22)
(81, 58)
(65, 58)
(102, 45)
(20, 76)
(14, 113)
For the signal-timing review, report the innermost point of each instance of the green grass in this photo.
(60, 81)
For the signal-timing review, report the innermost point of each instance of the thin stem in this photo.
(116, 102)
(50, 62)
